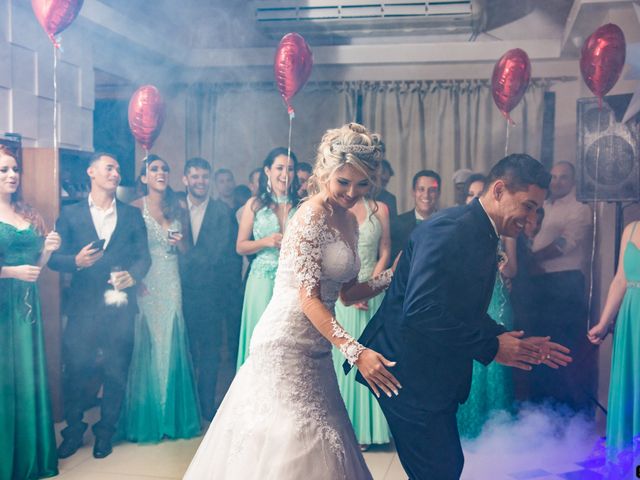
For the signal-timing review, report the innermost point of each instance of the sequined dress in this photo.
(491, 385)
(27, 439)
(161, 399)
(261, 278)
(283, 417)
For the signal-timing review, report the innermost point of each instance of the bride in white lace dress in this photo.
(283, 417)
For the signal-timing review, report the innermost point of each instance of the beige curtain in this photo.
(238, 124)
(447, 125)
(200, 121)
(440, 125)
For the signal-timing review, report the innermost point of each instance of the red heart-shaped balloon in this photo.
(602, 59)
(146, 115)
(56, 15)
(292, 66)
(510, 79)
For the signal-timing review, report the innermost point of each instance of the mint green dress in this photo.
(491, 386)
(161, 399)
(364, 412)
(623, 418)
(27, 440)
(261, 279)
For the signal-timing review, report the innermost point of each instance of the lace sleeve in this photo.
(309, 237)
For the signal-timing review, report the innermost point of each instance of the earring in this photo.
(269, 185)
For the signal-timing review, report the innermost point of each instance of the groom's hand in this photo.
(552, 354)
(513, 351)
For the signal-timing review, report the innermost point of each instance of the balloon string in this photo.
(595, 224)
(506, 143)
(56, 46)
(286, 178)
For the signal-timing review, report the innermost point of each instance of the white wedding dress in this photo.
(283, 417)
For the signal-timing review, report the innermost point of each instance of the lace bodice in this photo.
(314, 256)
(266, 223)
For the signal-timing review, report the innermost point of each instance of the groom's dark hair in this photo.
(519, 171)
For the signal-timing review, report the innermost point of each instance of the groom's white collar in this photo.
(493, 224)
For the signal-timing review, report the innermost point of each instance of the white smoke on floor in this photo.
(537, 438)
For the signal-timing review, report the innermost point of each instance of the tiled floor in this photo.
(170, 459)
(536, 447)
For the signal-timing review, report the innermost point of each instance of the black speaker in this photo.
(608, 151)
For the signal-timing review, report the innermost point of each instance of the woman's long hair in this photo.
(172, 209)
(22, 208)
(264, 194)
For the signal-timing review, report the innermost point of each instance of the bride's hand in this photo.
(372, 367)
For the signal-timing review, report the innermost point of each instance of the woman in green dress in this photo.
(264, 219)
(374, 250)
(161, 399)
(622, 308)
(491, 385)
(27, 440)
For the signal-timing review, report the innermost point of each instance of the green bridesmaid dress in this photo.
(27, 439)
(491, 386)
(623, 418)
(364, 412)
(261, 279)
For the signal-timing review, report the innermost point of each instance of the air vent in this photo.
(333, 17)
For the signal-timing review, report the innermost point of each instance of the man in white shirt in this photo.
(559, 250)
(104, 247)
(211, 282)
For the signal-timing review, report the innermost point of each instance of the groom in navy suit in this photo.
(94, 329)
(433, 321)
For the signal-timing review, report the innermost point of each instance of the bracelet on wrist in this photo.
(351, 348)
(351, 351)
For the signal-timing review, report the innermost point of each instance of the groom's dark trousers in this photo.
(96, 333)
(433, 323)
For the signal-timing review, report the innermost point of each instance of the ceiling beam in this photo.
(381, 54)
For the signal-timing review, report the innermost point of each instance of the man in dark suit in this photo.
(426, 195)
(95, 328)
(434, 323)
(211, 281)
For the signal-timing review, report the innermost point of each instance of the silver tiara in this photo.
(358, 149)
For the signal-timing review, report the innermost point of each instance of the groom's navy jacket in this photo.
(433, 320)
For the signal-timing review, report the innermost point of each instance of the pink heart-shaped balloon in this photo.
(56, 15)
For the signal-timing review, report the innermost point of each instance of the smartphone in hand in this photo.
(98, 244)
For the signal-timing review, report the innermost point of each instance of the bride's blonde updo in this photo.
(352, 144)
